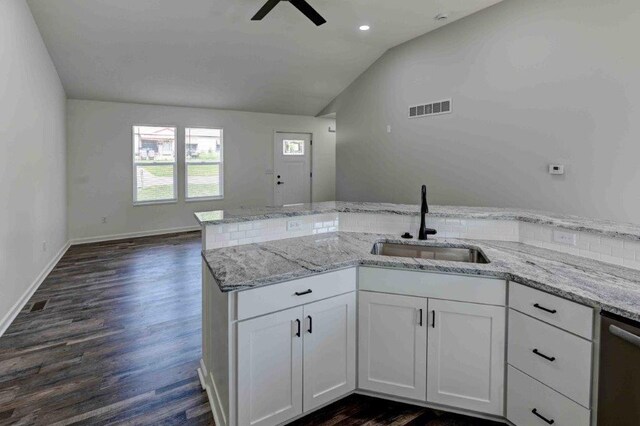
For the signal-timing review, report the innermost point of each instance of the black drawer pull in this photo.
(420, 323)
(310, 330)
(298, 332)
(302, 293)
(433, 316)
(548, 358)
(551, 311)
(548, 421)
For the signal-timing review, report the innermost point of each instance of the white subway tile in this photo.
(236, 235)
(610, 242)
(623, 253)
(245, 226)
(231, 227)
(599, 248)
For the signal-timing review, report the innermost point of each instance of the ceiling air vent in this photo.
(434, 108)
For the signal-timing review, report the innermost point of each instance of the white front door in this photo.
(465, 366)
(393, 344)
(329, 350)
(292, 168)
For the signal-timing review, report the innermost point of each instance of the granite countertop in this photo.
(602, 227)
(613, 288)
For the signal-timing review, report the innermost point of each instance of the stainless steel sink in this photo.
(451, 254)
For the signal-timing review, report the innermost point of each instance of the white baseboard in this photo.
(19, 305)
(115, 237)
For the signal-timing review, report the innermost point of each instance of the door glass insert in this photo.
(292, 147)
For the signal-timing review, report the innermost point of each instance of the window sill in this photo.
(153, 203)
(201, 199)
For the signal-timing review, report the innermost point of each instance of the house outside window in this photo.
(204, 171)
(154, 164)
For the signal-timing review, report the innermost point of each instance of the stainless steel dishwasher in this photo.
(619, 381)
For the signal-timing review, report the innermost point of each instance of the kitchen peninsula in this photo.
(299, 310)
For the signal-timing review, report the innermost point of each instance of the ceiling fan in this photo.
(301, 5)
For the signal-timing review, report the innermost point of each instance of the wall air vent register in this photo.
(430, 109)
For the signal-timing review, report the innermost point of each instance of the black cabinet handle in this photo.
(298, 332)
(548, 421)
(433, 317)
(310, 324)
(302, 293)
(420, 322)
(542, 308)
(548, 358)
(279, 183)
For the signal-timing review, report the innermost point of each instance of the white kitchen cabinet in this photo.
(273, 349)
(329, 350)
(392, 344)
(270, 368)
(465, 362)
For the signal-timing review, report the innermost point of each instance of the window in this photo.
(154, 164)
(203, 158)
(292, 147)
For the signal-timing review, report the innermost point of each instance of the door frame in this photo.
(273, 163)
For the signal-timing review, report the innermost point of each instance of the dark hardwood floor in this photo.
(113, 337)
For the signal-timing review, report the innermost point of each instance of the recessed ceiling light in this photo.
(441, 17)
(364, 28)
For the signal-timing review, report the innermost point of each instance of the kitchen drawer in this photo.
(525, 394)
(569, 368)
(461, 288)
(554, 310)
(275, 297)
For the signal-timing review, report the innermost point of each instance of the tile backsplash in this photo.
(233, 234)
(610, 250)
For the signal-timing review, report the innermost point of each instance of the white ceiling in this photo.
(207, 53)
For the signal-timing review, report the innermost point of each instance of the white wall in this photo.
(100, 169)
(532, 82)
(32, 164)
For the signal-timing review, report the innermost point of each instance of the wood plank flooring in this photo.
(113, 337)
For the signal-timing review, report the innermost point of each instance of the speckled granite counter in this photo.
(613, 288)
(596, 226)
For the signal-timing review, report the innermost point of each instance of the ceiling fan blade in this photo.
(266, 8)
(308, 11)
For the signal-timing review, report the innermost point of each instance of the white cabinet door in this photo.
(465, 367)
(393, 344)
(329, 349)
(270, 368)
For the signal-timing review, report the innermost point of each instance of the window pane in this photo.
(154, 144)
(203, 180)
(293, 147)
(204, 158)
(203, 145)
(154, 157)
(154, 182)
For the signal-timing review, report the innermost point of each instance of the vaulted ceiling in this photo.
(208, 53)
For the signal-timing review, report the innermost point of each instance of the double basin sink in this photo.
(415, 251)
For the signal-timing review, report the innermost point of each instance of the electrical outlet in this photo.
(104, 219)
(44, 246)
(568, 238)
(388, 128)
(294, 225)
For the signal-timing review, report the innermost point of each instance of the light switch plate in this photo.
(568, 238)
(294, 225)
